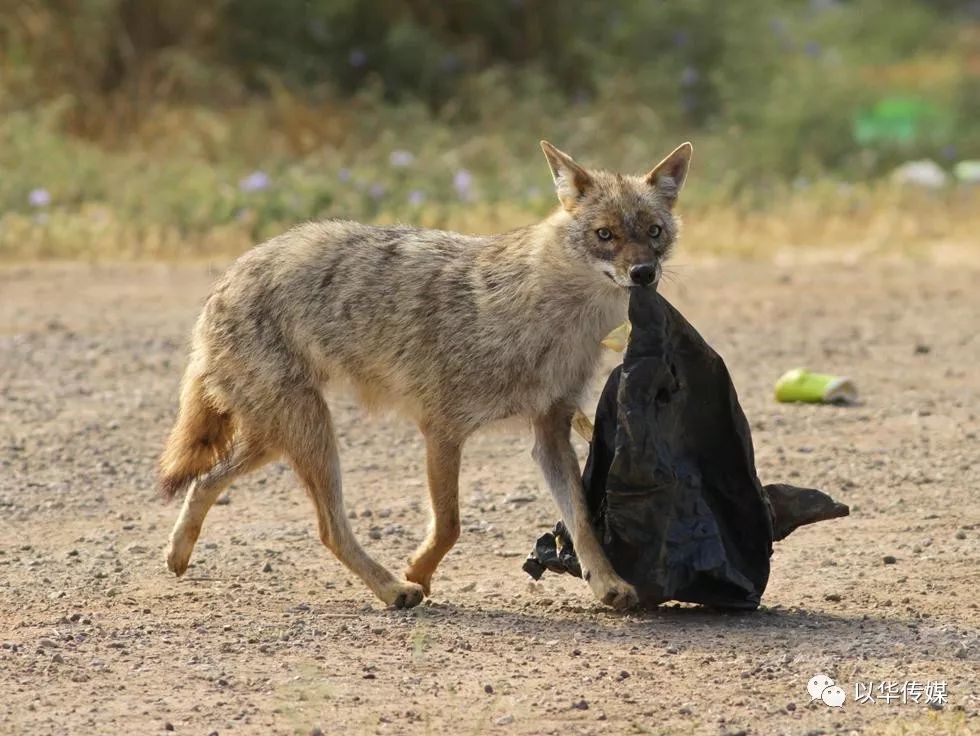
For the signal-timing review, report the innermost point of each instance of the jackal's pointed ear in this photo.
(571, 180)
(668, 176)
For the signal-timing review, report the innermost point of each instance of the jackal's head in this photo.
(620, 225)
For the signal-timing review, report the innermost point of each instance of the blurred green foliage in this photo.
(191, 115)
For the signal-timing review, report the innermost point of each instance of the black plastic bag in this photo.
(671, 481)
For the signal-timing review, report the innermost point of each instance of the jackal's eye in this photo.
(654, 231)
(604, 233)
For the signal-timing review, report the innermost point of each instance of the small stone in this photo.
(47, 643)
(960, 653)
(960, 534)
(488, 689)
(504, 720)
(581, 705)
(791, 707)
(921, 348)
(267, 567)
(168, 726)
(600, 716)
(468, 588)
(61, 660)
(832, 597)
(889, 559)
(316, 731)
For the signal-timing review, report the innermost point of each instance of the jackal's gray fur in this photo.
(455, 331)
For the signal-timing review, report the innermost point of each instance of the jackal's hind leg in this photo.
(247, 454)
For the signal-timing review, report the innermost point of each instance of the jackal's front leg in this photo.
(554, 453)
(442, 456)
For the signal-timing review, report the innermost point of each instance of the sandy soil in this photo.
(268, 634)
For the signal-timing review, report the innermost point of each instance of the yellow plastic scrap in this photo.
(582, 425)
(617, 339)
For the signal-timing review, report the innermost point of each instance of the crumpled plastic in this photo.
(671, 482)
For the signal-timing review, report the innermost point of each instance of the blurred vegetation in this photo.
(180, 126)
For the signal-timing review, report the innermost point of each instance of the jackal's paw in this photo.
(614, 591)
(403, 595)
(179, 556)
(422, 577)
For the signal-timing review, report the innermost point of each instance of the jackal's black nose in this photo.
(643, 274)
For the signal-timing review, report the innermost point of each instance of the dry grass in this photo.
(830, 220)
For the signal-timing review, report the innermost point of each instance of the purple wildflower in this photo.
(344, 175)
(357, 58)
(449, 63)
(401, 159)
(416, 198)
(39, 197)
(376, 190)
(463, 183)
(257, 181)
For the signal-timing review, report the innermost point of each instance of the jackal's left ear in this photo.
(668, 176)
(571, 180)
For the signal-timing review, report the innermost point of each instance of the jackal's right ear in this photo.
(571, 180)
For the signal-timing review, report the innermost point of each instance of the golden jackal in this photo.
(454, 330)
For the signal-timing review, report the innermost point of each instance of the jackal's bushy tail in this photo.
(199, 439)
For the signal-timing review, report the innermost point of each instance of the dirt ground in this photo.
(268, 634)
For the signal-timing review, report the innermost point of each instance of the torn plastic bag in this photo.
(670, 481)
